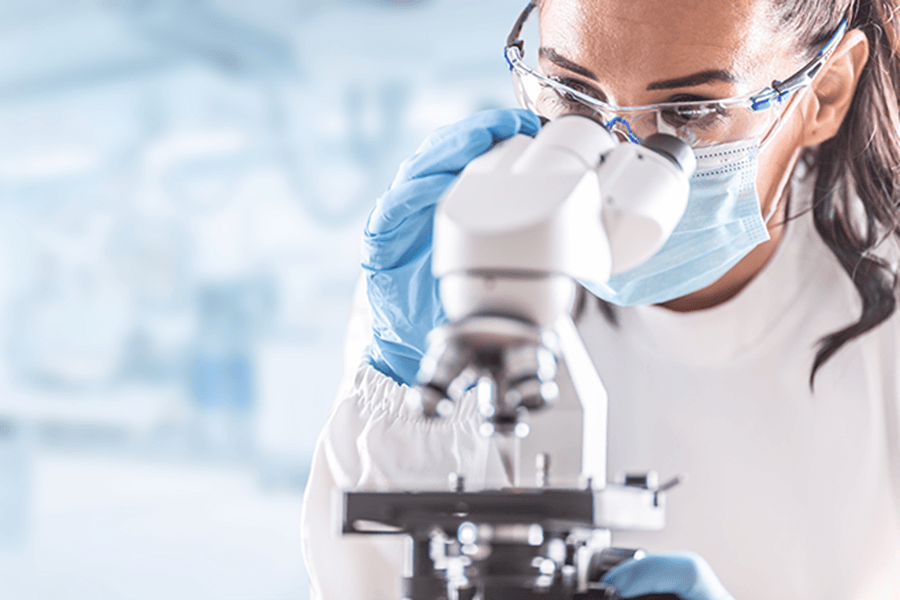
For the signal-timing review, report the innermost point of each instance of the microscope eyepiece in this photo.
(676, 150)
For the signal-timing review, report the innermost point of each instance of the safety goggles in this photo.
(699, 123)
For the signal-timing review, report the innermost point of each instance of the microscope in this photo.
(513, 235)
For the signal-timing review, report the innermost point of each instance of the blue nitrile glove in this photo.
(396, 253)
(685, 575)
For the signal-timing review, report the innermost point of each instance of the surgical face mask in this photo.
(721, 225)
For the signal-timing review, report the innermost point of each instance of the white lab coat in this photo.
(792, 495)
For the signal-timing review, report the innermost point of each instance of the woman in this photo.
(760, 355)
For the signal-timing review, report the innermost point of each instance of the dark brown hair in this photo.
(856, 199)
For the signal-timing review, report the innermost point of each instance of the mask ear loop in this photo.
(772, 211)
(776, 127)
(779, 120)
(792, 103)
(783, 113)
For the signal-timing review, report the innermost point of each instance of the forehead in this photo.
(663, 38)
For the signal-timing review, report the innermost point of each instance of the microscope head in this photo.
(518, 228)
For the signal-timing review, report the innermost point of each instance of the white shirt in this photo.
(792, 494)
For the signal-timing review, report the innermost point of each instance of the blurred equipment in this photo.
(201, 29)
(520, 225)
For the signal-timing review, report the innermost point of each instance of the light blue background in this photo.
(182, 188)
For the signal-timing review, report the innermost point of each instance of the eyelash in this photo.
(582, 87)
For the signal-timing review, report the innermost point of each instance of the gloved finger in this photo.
(404, 200)
(497, 119)
(686, 575)
(447, 152)
(449, 149)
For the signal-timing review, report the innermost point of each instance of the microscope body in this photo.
(520, 226)
(525, 219)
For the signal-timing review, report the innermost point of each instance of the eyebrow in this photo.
(694, 79)
(561, 61)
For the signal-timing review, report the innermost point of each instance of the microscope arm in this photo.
(592, 397)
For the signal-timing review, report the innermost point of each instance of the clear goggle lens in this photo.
(699, 124)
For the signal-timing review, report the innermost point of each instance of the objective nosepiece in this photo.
(509, 365)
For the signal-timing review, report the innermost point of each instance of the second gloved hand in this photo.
(396, 256)
(683, 575)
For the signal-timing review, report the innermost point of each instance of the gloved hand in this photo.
(396, 252)
(684, 575)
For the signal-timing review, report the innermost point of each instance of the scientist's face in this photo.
(640, 52)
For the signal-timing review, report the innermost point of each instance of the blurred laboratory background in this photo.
(183, 184)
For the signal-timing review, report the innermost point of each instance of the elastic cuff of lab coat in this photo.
(379, 395)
